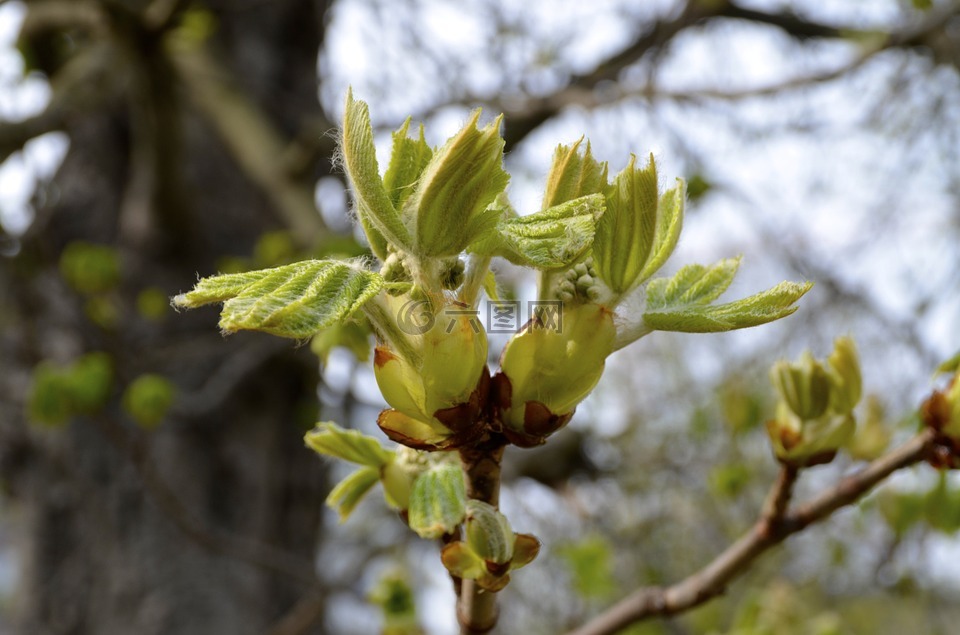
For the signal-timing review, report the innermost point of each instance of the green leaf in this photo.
(90, 268)
(572, 176)
(148, 399)
(348, 445)
(408, 160)
(351, 490)
(378, 216)
(757, 309)
(692, 285)
(552, 238)
(296, 300)
(952, 365)
(669, 224)
(590, 562)
(626, 233)
(452, 202)
(438, 501)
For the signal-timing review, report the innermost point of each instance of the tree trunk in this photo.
(209, 523)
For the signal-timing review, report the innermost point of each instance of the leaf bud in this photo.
(437, 501)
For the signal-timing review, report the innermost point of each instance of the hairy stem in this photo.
(476, 607)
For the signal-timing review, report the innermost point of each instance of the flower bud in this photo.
(436, 398)
(546, 372)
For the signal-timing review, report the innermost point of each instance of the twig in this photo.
(713, 579)
(476, 607)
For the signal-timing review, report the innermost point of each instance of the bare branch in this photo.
(79, 87)
(773, 527)
(581, 89)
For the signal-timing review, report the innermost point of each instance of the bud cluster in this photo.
(580, 283)
(814, 416)
(491, 549)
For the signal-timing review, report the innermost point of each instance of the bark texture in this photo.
(208, 524)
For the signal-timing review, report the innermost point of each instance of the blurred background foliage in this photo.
(153, 473)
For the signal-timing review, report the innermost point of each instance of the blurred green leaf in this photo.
(148, 398)
(89, 268)
(590, 562)
(351, 490)
(330, 439)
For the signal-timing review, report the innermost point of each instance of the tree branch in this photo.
(773, 527)
(79, 87)
(256, 146)
(581, 89)
(476, 607)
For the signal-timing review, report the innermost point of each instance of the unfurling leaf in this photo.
(549, 239)
(693, 285)
(296, 300)
(625, 235)
(408, 159)
(452, 203)
(573, 175)
(438, 501)
(351, 490)
(348, 445)
(669, 223)
(378, 216)
(763, 307)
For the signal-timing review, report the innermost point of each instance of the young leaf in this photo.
(452, 202)
(408, 159)
(552, 238)
(625, 235)
(348, 445)
(351, 490)
(757, 309)
(296, 300)
(379, 217)
(692, 285)
(572, 176)
(438, 501)
(669, 223)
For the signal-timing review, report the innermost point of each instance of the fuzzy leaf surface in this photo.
(296, 300)
(452, 202)
(552, 238)
(573, 175)
(757, 309)
(625, 235)
(692, 285)
(378, 216)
